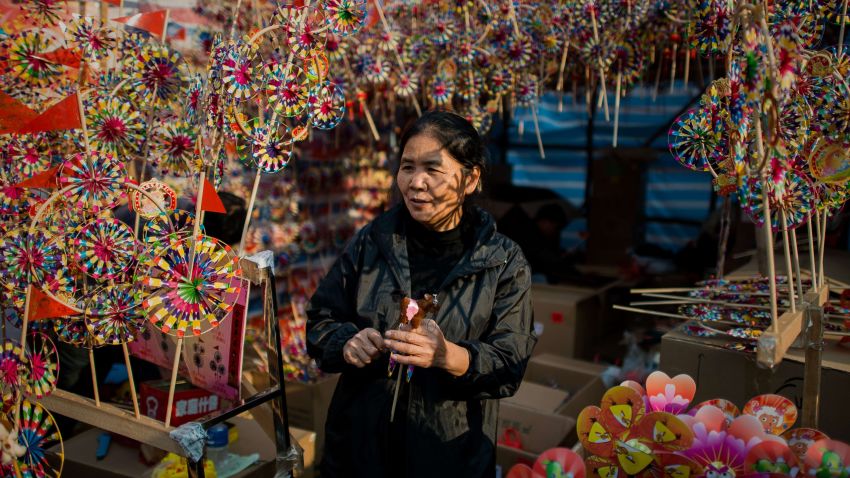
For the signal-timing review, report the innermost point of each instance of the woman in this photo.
(474, 352)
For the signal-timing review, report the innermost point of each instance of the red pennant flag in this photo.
(153, 22)
(45, 180)
(180, 34)
(211, 202)
(63, 56)
(61, 116)
(13, 113)
(42, 306)
(117, 3)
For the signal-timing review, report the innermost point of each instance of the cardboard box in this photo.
(566, 319)
(735, 376)
(307, 440)
(581, 380)
(307, 405)
(190, 402)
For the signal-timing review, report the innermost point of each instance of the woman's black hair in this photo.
(455, 134)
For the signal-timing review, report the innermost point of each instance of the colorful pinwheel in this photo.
(43, 370)
(166, 229)
(113, 315)
(105, 248)
(174, 148)
(115, 126)
(28, 258)
(185, 288)
(327, 106)
(97, 181)
(37, 432)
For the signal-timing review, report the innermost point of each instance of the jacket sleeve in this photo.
(498, 360)
(331, 313)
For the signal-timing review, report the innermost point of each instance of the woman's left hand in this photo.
(427, 347)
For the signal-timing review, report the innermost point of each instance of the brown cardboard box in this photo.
(307, 405)
(506, 457)
(581, 380)
(566, 319)
(307, 441)
(723, 373)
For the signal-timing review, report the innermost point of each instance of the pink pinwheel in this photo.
(667, 394)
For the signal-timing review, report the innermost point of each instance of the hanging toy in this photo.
(413, 312)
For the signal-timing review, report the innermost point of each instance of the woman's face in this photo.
(433, 183)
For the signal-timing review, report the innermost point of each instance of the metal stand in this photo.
(155, 433)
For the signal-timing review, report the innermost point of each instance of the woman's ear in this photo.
(473, 180)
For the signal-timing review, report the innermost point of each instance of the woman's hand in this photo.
(364, 347)
(426, 347)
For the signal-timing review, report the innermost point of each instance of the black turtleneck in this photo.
(432, 255)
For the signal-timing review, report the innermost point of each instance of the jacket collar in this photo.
(389, 234)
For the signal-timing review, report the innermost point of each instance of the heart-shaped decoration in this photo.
(670, 394)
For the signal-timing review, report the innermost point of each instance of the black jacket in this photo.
(450, 427)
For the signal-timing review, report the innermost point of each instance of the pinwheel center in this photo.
(190, 289)
(95, 42)
(35, 64)
(9, 370)
(38, 365)
(180, 144)
(242, 74)
(31, 259)
(440, 90)
(113, 129)
(12, 192)
(103, 249)
(31, 155)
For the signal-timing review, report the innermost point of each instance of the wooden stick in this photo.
(369, 119)
(121, 8)
(601, 68)
(131, 380)
(796, 254)
(165, 28)
(537, 131)
(395, 394)
(562, 67)
(841, 31)
(398, 58)
(25, 324)
(788, 270)
(673, 69)
(822, 248)
(812, 264)
(175, 367)
(83, 123)
(94, 377)
(771, 263)
(617, 108)
(248, 215)
(657, 78)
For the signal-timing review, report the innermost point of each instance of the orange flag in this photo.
(153, 22)
(42, 306)
(13, 113)
(62, 56)
(61, 116)
(44, 180)
(211, 202)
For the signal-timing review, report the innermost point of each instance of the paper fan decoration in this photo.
(827, 458)
(801, 439)
(13, 370)
(187, 285)
(113, 315)
(306, 37)
(327, 106)
(43, 370)
(406, 86)
(793, 195)
(28, 258)
(158, 197)
(729, 409)
(95, 181)
(105, 248)
(288, 89)
(670, 394)
(560, 462)
(829, 162)
(166, 229)
(772, 457)
(37, 432)
(440, 90)
(775, 413)
(29, 155)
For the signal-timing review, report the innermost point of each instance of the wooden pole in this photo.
(131, 380)
(537, 131)
(812, 246)
(797, 272)
(821, 248)
(673, 69)
(94, 377)
(617, 107)
(789, 271)
(250, 210)
(174, 369)
(771, 261)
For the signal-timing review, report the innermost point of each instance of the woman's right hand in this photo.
(364, 347)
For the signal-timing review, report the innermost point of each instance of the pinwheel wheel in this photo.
(306, 32)
(115, 126)
(167, 228)
(94, 40)
(43, 370)
(113, 315)
(272, 149)
(37, 432)
(105, 248)
(327, 106)
(288, 89)
(793, 196)
(186, 286)
(712, 27)
(345, 16)
(696, 140)
(95, 181)
(29, 154)
(174, 148)
(239, 73)
(157, 74)
(71, 331)
(25, 58)
(28, 258)
(14, 368)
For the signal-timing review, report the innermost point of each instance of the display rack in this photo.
(155, 433)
